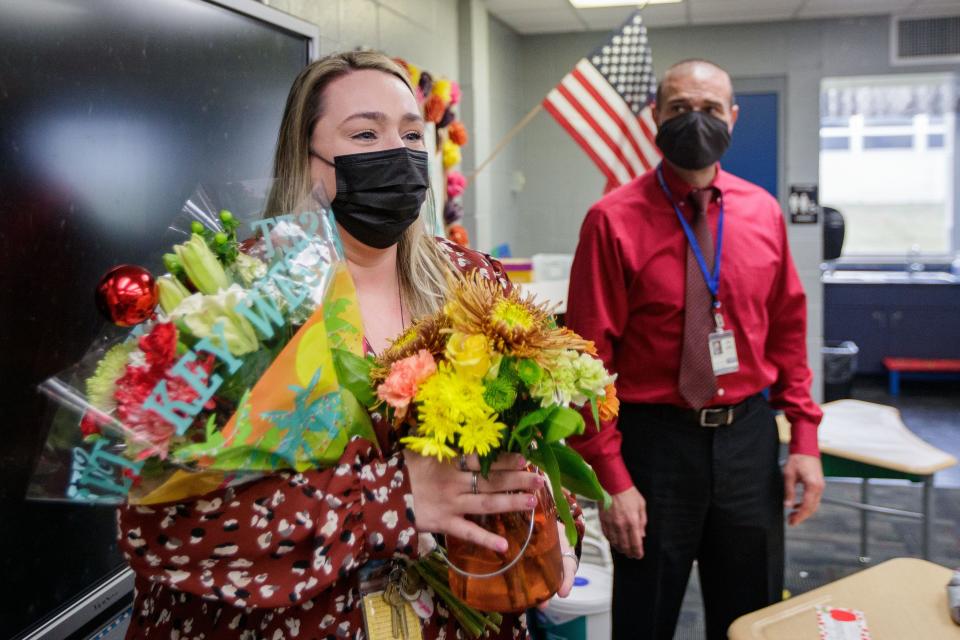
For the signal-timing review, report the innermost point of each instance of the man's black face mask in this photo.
(693, 140)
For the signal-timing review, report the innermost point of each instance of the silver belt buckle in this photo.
(726, 415)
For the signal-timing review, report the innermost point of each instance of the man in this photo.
(683, 279)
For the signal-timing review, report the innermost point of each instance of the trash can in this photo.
(839, 367)
(583, 615)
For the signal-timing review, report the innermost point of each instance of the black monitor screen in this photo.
(111, 113)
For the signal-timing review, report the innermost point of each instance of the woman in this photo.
(279, 557)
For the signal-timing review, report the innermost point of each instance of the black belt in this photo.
(708, 417)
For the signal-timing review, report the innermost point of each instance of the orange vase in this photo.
(532, 580)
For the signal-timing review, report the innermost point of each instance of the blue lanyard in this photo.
(712, 279)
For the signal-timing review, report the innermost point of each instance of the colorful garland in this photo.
(438, 100)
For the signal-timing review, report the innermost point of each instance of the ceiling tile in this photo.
(545, 16)
(495, 6)
(931, 7)
(606, 17)
(722, 11)
(835, 8)
(655, 15)
(541, 20)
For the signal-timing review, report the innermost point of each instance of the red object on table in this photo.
(922, 364)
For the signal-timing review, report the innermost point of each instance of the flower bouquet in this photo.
(492, 373)
(226, 366)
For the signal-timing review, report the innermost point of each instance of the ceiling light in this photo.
(596, 4)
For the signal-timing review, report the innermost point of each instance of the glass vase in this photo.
(532, 579)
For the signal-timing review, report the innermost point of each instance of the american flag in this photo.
(605, 104)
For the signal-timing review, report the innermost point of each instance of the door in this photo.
(754, 153)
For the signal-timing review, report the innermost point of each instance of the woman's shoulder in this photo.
(466, 260)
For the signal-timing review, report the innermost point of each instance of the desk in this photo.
(866, 440)
(903, 598)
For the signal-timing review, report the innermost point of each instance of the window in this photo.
(887, 161)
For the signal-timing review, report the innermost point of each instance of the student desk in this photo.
(900, 598)
(866, 440)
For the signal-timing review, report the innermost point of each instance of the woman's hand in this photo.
(570, 566)
(443, 493)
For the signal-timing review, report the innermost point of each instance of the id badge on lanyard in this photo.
(721, 343)
(723, 347)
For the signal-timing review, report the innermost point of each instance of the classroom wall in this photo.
(562, 182)
(421, 31)
(506, 109)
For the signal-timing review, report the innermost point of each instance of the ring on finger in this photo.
(571, 554)
(474, 481)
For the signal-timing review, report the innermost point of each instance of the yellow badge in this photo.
(386, 621)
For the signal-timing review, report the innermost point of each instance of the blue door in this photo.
(753, 154)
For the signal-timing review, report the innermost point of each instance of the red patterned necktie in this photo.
(697, 383)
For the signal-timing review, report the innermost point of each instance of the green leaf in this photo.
(353, 373)
(577, 476)
(562, 423)
(357, 419)
(524, 431)
(596, 412)
(544, 458)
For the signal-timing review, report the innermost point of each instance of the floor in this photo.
(826, 547)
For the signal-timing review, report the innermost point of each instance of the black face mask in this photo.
(693, 140)
(379, 194)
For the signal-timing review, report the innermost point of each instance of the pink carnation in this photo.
(454, 92)
(456, 183)
(405, 378)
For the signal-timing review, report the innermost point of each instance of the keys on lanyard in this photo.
(405, 592)
(398, 614)
(393, 596)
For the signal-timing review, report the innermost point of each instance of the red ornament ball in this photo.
(127, 295)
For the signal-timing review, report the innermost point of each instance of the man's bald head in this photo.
(695, 85)
(698, 71)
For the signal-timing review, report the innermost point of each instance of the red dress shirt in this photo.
(627, 295)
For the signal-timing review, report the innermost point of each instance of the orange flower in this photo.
(433, 109)
(458, 133)
(405, 379)
(458, 234)
(610, 404)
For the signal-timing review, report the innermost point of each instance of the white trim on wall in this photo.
(276, 17)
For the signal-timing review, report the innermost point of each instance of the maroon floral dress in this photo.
(276, 558)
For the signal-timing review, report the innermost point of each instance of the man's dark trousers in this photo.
(714, 495)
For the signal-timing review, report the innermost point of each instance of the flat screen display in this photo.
(111, 113)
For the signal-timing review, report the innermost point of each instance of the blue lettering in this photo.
(179, 414)
(287, 286)
(198, 380)
(263, 227)
(265, 316)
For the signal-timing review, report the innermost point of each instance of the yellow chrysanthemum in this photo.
(481, 437)
(429, 447)
(514, 325)
(452, 411)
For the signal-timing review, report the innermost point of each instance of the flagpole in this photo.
(517, 128)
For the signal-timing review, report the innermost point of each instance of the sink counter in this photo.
(889, 277)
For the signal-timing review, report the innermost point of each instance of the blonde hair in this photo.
(423, 269)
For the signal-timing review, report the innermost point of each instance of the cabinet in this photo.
(897, 319)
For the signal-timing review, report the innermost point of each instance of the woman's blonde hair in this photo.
(423, 269)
